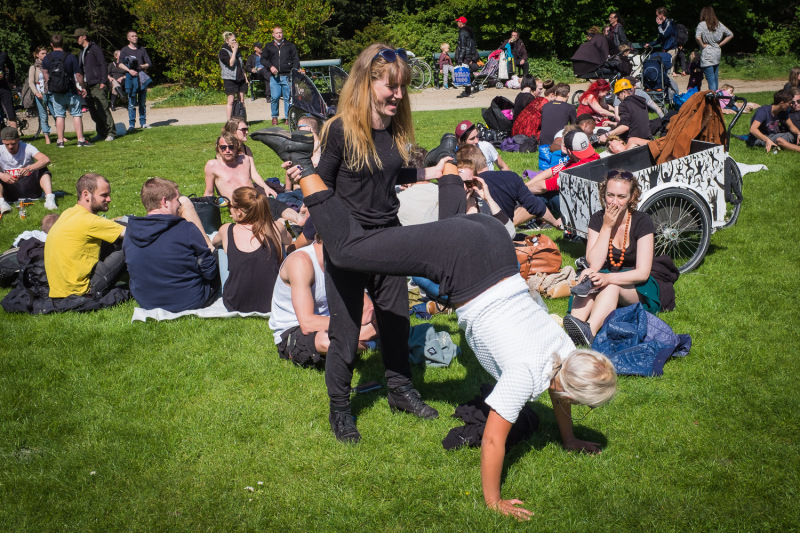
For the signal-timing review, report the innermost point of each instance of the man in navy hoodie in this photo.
(169, 262)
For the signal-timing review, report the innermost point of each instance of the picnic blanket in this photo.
(215, 310)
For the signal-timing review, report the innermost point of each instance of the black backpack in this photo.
(58, 81)
(681, 35)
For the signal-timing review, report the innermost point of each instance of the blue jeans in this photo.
(430, 289)
(279, 87)
(140, 97)
(42, 106)
(712, 76)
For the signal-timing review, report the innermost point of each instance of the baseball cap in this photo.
(578, 143)
(9, 134)
(258, 44)
(80, 31)
(462, 20)
(464, 127)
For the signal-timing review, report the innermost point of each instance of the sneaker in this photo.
(110, 138)
(131, 129)
(584, 288)
(579, 331)
(84, 143)
(60, 144)
(406, 398)
(145, 126)
(343, 425)
(294, 146)
(50, 202)
(274, 121)
(4, 207)
(112, 107)
(95, 139)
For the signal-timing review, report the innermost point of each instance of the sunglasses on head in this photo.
(226, 147)
(390, 56)
(619, 175)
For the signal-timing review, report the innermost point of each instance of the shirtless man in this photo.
(232, 169)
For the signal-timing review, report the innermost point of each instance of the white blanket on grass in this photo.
(215, 310)
(746, 169)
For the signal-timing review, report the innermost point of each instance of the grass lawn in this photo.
(111, 426)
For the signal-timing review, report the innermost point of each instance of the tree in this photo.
(188, 34)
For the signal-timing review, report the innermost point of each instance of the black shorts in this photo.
(26, 187)
(234, 87)
(7, 103)
(300, 348)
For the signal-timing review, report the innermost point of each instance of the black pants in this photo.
(109, 269)
(465, 255)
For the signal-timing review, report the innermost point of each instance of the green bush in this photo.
(757, 67)
(189, 34)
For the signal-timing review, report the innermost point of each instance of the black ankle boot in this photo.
(447, 147)
(294, 146)
(342, 424)
(406, 398)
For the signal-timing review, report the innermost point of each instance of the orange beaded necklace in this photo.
(624, 245)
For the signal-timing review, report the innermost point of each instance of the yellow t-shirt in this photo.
(72, 249)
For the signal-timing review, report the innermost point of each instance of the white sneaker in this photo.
(4, 207)
(145, 126)
(50, 202)
(110, 138)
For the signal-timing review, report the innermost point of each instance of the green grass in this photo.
(111, 426)
(757, 67)
(177, 96)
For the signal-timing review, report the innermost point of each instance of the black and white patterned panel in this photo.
(579, 199)
(703, 172)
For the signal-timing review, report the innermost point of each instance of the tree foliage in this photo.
(188, 33)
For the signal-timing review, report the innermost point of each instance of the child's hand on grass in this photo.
(583, 446)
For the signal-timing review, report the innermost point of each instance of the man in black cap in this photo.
(256, 70)
(93, 65)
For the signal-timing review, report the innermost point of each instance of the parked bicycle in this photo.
(421, 72)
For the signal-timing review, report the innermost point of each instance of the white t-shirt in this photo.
(23, 157)
(513, 339)
(489, 152)
(419, 204)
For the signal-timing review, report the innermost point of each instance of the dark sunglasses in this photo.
(619, 175)
(226, 147)
(244, 129)
(390, 56)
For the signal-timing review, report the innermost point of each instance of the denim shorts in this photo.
(63, 102)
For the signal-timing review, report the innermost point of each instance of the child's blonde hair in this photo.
(728, 88)
(445, 47)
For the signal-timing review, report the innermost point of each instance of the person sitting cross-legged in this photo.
(81, 254)
(767, 120)
(634, 119)
(169, 262)
(300, 318)
(23, 172)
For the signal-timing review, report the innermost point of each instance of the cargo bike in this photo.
(688, 198)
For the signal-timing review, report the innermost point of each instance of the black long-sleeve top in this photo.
(368, 194)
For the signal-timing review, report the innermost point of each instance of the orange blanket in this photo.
(698, 119)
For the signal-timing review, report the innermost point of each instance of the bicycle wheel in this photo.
(428, 71)
(576, 97)
(417, 76)
(683, 226)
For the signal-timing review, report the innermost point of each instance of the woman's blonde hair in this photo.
(355, 109)
(227, 35)
(255, 211)
(587, 377)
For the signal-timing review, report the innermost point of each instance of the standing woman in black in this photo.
(364, 155)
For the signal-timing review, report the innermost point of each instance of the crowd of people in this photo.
(367, 214)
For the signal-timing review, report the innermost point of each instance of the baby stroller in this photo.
(308, 100)
(488, 75)
(656, 79)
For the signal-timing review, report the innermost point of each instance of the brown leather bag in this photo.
(538, 254)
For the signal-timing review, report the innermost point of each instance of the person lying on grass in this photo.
(473, 261)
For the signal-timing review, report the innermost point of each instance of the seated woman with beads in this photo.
(619, 252)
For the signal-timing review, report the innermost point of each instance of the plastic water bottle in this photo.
(22, 212)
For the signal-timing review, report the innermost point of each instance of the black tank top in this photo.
(251, 277)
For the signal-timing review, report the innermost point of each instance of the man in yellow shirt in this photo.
(72, 253)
